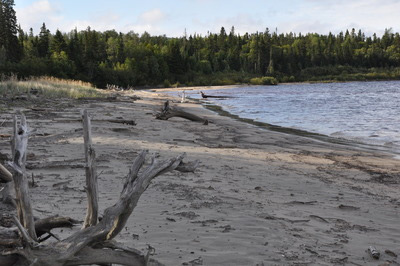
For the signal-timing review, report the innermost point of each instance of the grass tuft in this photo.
(49, 87)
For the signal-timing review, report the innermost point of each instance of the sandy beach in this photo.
(258, 197)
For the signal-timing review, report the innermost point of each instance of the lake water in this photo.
(367, 112)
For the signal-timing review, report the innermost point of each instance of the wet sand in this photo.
(259, 197)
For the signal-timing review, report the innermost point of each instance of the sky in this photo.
(175, 17)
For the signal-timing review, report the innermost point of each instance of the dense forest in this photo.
(130, 59)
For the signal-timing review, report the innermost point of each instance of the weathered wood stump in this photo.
(93, 244)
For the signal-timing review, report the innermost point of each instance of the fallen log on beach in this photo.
(168, 112)
(203, 95)
(93, 243)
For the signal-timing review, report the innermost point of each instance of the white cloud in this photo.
(303, 16)
(150, 21)
(102, 22)
(153, 16)
(305, 27)
(372, 16)
(242, 22)
(34, 15)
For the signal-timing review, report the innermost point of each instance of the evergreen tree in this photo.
(120, 49)
(75, 52)
(175, 60)
(44, 41)
(130, 59)
(9, 31)
(58, 43)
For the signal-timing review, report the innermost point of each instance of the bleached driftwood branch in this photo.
(91, 174)
(92, 244)
(20, 146)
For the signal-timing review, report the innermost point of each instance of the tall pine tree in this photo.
(9, 30)
(44, 41)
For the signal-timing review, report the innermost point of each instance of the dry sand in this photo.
(258, 197)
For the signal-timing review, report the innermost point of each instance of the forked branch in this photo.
(90, 245)
(116, 216)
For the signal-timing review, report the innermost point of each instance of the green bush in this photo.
(176, 85)
(167, 84)
(264, 81)
(223, 82)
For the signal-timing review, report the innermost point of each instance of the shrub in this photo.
(176, 85)
(264, 81)
(167, 84)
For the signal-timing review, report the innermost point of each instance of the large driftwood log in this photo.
(168, 112)
(92, 244)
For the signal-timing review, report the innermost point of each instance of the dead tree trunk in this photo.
(168, 112)
(93, 243)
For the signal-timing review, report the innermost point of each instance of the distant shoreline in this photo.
(220, 87)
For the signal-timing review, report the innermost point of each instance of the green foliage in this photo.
(166, 83)
(44, 41)
(263, 58)
(264, 81)
(58, 43)
(8, 32)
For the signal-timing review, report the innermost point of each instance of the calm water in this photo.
(367, 112)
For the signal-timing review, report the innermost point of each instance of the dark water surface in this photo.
(366, 112)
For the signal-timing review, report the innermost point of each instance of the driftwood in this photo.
(91, 174)
(188, 167)
(44, 226)
(121, 121)
(24, 208)
(5, 175)
(6, 178)
(168, 112)
(115, 98)
(92, 244)
(203, 95)
(117, 121)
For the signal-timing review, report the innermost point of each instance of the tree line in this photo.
(130, 59)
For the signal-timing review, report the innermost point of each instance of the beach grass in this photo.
(49, 87)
